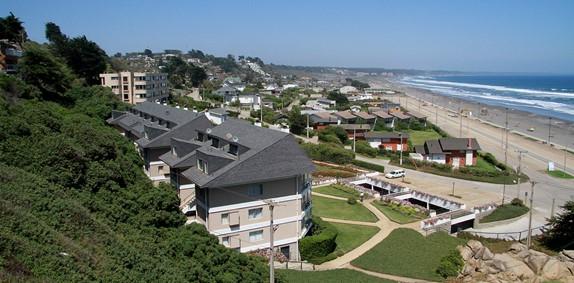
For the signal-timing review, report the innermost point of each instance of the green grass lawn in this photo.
(503, 212)
(483, 164)
(352, 236)
(405, 252)
(340, 209)
(396, 215)
(329, 276)
(338, 191)
(560, 174)
(419, 137)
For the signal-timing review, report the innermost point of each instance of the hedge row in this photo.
(321, 243)
(370, 166)
(328, 153)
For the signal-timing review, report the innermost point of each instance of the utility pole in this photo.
(453, 189)
(529, 238)
(401, 151)
(552, 209)
(271, 244)
(520, 152)
(307, 125)
(505, 145)
(549, 129)
(354, 138)
(436, 115)
(260, 110)
(460, 122)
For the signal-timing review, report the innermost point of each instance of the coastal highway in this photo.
(534, 162)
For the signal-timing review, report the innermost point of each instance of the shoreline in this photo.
(519, 121)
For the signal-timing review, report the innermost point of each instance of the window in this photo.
(114, 78)
(225, 241)
(200, 136)
(202, 166)
(215, 143)
(256, 236)
(225, 218)
(125, 79)
(255, 190)
(160, 168)
(255, 213)
(233, 149)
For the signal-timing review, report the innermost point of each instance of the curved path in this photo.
(385, 226)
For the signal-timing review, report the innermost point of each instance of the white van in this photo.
(395, 174)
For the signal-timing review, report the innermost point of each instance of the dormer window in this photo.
(202, 166)
(200, 136)
(215, 143)
(233, 149)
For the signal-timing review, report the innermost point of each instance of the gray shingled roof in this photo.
(400, 115)
(432, 146)
(220, 111)
(246, 134)
(167, 113)
(364, 115)
(345, 114)
(382, 114)
(322, 117)
(416, 115)
(185, 131)
(385, 135)
(449, 144)
(355, 126)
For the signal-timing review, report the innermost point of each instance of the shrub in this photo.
(450, 265)
(517, 202)
(337, 132)
(320, 243)
(370, 166)
(352, 201)
(328, 138)
(365, 148)
(329, 153)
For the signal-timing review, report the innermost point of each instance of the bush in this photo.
(370, 166)
(365, 148)
(450, 265)
(351, 201)
(321, 243)
(328, 138)
(328, 153)
(338, 132)
(517, 202)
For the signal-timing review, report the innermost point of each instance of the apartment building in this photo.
(135, 87)
(151, 126)
(235, 171)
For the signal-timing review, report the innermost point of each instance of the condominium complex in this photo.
(134, 87)
(229, 175)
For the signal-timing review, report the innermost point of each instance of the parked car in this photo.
(395, 174)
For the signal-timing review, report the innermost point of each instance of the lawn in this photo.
(485, 165)
(405, 252)
(560, 174)
(396, 215)
(504, 212)
(419, 137)
(338, 191)
(329, 276)
(340, 209)
(352, 236)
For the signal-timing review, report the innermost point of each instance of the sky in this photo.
(487, 35)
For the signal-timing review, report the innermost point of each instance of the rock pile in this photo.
(517, 265)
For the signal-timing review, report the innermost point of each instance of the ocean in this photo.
(546, 95)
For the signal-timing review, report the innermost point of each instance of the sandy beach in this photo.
(524, 123)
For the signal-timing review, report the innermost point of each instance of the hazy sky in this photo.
(485, 35)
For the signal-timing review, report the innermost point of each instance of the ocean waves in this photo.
(550, 102)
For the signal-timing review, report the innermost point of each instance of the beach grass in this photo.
(329, 276)
(503, 212)
(560, 174)
(338, 191)
(340, 209)
(419, 137)
(405, 252)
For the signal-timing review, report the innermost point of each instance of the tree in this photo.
(11, 29)
(560, 234)
(340, 98)
(197, 75)
(83, 56)
(297, 122)
(148, 52)
(45, 71)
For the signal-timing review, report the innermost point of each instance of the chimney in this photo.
(469, 143)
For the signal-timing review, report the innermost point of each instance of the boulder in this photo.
(536, 261)
(515, 266)
(474, 245)
(555, 269)
(568, 254)
(465, 252)
(516, 248)
(478, 254)
(487, 254)
(496, 264)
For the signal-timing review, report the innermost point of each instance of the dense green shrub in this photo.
(517, 202)
(337, 132)
(328, 138)
(370, 166)
(365, 148)
(328, 153)
(320, 243)
(450, 265)
(351, 200)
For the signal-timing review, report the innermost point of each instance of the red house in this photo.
(388, 140)
(454, 151)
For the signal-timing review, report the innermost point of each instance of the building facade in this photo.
(389, 141)
(136, 87)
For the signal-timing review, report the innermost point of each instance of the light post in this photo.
(453, 189)
(529, 237)
(520, 152)
(549, 129)
(401, 151)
